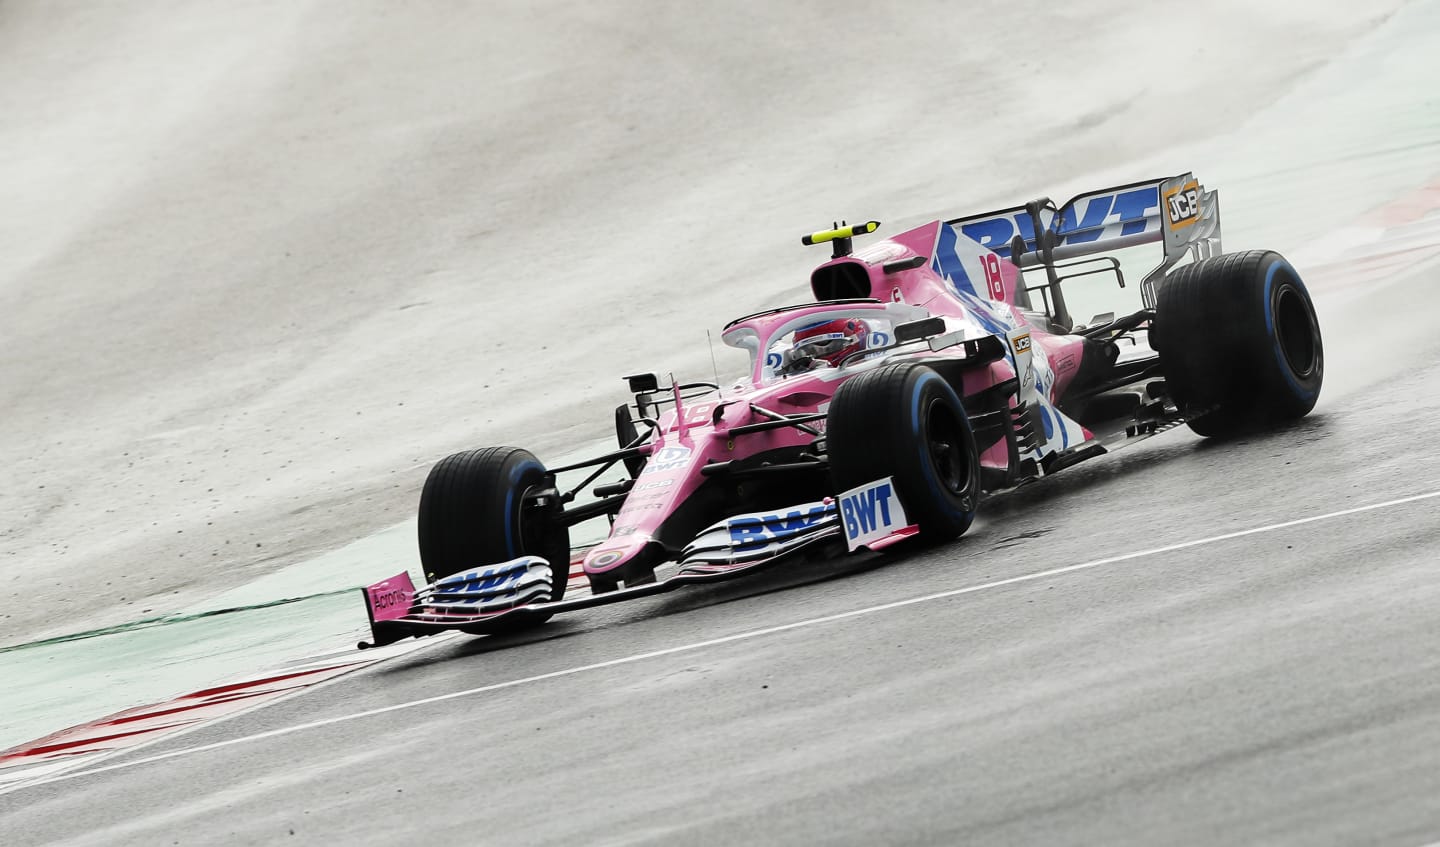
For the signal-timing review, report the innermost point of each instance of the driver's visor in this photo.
(826, 346)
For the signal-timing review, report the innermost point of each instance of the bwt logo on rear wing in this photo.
(1177, 210)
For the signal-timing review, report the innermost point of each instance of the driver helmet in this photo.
(832, 341)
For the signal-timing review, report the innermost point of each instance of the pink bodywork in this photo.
(390, 599)
(699, 434)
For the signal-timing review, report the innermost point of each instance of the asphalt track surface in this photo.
(1153, 648)
(1182, 643)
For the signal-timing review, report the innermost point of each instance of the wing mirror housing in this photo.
(643, 383)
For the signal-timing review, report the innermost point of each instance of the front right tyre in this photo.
(904, 421)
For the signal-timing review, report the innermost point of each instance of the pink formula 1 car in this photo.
(933, 367)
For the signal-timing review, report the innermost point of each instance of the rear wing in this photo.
(1176, 211)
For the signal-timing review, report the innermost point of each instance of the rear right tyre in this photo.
(1239, 342)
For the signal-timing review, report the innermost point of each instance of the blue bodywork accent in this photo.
(1084, 220)
(1087, 229)
(979, 310)
(759, 530)
(995, 234)
(859, 510)
(482, 580)
(1131, 207)
(947, 261)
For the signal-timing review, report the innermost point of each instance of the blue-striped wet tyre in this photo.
(904, 421)
(1239, 342)
(479, 508)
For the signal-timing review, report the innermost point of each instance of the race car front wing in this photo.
(479, 600)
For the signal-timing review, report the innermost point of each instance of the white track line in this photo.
(743, 636)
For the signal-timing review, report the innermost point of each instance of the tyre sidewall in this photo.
(918, 481)
(1293, 393)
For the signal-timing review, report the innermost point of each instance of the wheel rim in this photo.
(1293, 330)
(948, 451)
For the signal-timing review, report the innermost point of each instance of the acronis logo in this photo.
(751, 530)
(1087, 218)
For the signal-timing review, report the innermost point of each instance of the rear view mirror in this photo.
(643, 383)
(916, 330)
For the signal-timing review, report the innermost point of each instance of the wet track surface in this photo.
(1282, 686)
(1183, 643)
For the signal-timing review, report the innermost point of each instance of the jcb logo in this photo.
(1021, 343)
(1183, 204)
